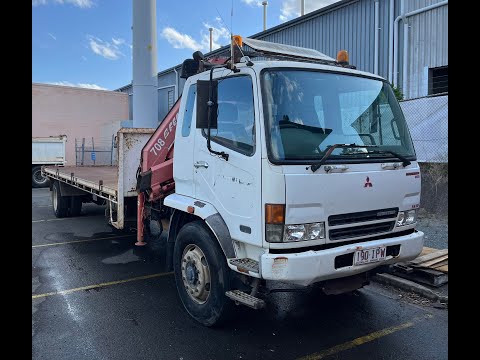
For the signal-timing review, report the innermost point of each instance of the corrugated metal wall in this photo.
(427, 45)
(349, 25)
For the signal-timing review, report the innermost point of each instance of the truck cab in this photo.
(306, 173)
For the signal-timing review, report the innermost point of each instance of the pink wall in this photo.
(77, 113)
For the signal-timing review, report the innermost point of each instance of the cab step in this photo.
(245, 264)
(245, 299)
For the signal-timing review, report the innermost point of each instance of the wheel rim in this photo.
(196, 274)
(38, 177)
(54, 198)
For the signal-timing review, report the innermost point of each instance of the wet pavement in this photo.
(92, 299)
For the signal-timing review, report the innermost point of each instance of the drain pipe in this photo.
(391, 19)
(376, 39)
(405, 58)
(176, 84)
(405, 40)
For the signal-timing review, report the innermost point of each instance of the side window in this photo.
(188, 115)
(236, 118)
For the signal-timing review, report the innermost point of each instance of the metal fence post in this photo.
(93, 151)
(111, 152)
(83, 150)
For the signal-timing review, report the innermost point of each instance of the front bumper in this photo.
(311, 266)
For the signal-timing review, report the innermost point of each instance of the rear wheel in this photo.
(75, 205)
(60, 203)
(201, 274)
(38, 180)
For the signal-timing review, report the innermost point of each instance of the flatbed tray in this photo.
(100, 178)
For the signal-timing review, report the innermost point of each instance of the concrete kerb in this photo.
(404, 284)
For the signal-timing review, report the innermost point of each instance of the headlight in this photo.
(410, 217)
(293, 233)
(406, 217)
(316, 231)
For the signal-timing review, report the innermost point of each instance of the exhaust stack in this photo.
(264, 3)
(211, 38)
(145, 83)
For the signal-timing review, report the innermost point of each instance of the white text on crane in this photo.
(158, 146)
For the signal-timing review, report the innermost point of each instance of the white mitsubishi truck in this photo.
(289, 166)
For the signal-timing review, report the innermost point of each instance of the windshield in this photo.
(306, 112)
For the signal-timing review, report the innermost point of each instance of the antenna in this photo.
(232, 62)
(231, 20)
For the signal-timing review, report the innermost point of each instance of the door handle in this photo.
(199, 164)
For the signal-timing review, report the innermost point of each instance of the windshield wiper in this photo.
(404, 160)
(316, 166)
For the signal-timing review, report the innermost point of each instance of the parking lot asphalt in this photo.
(97, 296)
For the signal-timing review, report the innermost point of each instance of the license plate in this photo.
(369, 255)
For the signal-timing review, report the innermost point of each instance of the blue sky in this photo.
(87, 43)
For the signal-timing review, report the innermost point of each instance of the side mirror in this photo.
(189, 68)
(203, 96)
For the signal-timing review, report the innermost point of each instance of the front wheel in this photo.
(201, 274)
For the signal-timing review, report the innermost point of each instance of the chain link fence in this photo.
(95, 152)
(427, 119)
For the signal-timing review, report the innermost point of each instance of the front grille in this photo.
(362, 216)
(363, 230)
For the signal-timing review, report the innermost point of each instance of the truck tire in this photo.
(38, 180)
(201, 274)
(60, 203)
(75, 205)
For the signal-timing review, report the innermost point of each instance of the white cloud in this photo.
(220, 36)
(84, 58)
(252, 2)
(118, 41)
(80, 85)
(110, 51)
(91, 86)
(291, 8)
(179, 40)
(52, 36)
(78, 3)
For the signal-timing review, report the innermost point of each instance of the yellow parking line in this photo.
(64, 292)
(79, 241)
(363, 339)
